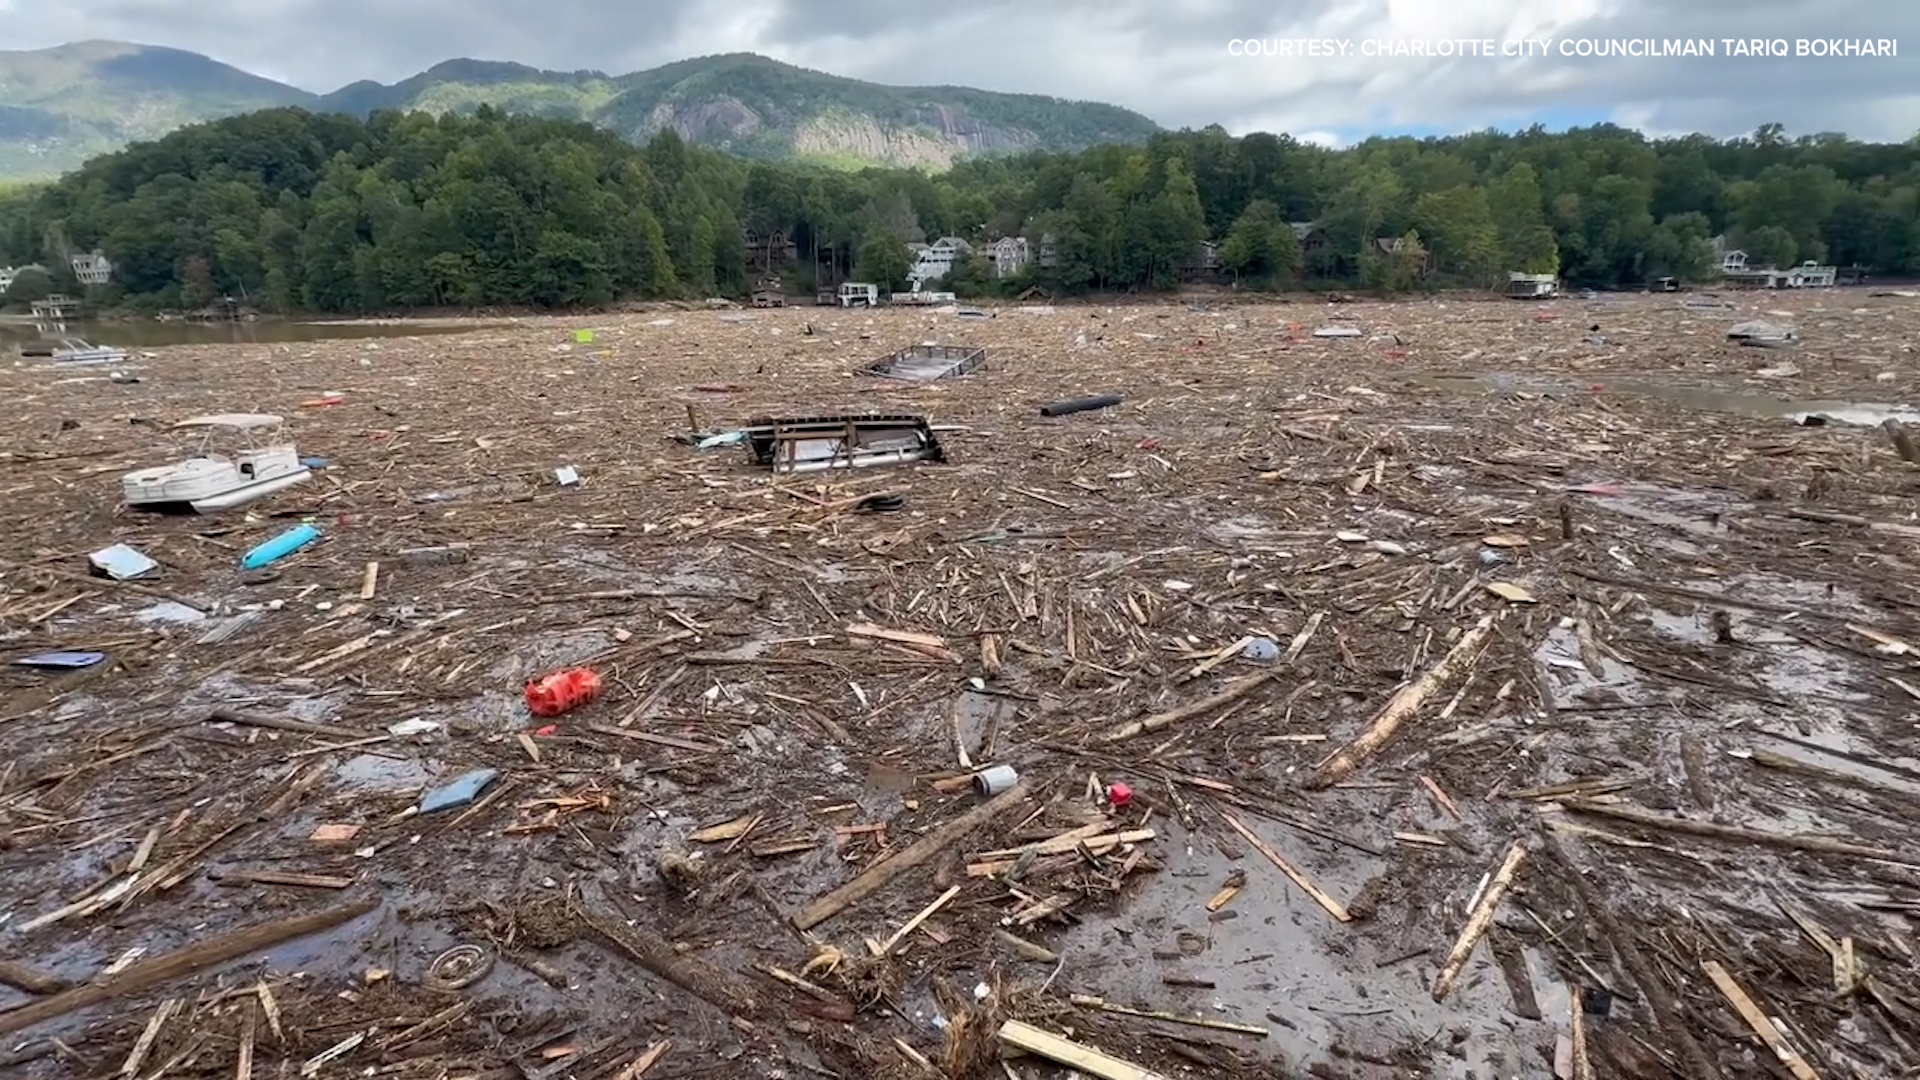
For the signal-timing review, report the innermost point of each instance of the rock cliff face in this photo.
(60, 106)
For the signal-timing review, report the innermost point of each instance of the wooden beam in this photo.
(1071, 1054)
(933, 843)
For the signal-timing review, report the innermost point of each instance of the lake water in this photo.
(148, 334)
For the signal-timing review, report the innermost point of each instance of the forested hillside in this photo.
(61, 106)
(327, 213)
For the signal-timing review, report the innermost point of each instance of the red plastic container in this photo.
(563, 691)
(1119, 795)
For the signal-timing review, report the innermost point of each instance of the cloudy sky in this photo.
(1166, 58)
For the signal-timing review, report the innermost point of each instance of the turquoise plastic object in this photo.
(459, 791)
(280, 546)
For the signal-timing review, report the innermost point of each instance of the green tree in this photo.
(1770, 245)
(883, 260)
(1177, 223)
(1261, 247)
(1681, 248)
(1527, 243)
(1459, 225)
(29, 286)
(329, 213)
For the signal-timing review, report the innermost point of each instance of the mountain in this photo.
(66, 104)
(69, 103)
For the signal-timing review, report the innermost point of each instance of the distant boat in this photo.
(208, 482)
(76, 352)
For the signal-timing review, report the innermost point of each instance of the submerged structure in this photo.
(924, 363)
(819, 443)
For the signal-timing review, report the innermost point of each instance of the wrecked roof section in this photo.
(927, 362)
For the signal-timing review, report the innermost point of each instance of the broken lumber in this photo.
(1401, 709)
(181, 963)
(924, 914)
(1234, 692)
(1334, 907)
(1478, 922)
(1033, 1040)
(1757, 1019)
(877, 875)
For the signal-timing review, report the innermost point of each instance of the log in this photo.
(1400, 709)
(1820, 845)
(1075, 405)
(181, 963)
(277, 723)
(1234, 692)
(1478, 922)
(25, 978)
(933, 843)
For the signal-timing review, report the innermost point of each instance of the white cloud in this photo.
(1166, 58)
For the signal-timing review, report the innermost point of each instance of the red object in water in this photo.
(550, 729)
(1119, 795)
(563, 691)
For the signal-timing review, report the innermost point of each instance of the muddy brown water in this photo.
(148, 334)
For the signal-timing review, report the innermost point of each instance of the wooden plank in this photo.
(1071, 1054)
(1759, 1021)
(1334, 907)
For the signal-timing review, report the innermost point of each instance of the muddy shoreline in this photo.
(1623, 609)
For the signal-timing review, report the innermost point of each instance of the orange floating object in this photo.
(563, 691)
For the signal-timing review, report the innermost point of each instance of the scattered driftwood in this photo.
(877, 875)
(1667, 1012)
(773, 656)
(179, 964)
(1401, 709)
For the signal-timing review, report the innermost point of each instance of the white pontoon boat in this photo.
(208, 482)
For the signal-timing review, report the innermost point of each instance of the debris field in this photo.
(1494, 690)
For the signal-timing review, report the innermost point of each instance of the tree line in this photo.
(292, 211)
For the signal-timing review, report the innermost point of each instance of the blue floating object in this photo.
(280, 547)
(459, 791)
(313, 462)
(60, 660)
(725, 438)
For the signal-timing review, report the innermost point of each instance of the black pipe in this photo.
(1074, 405)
